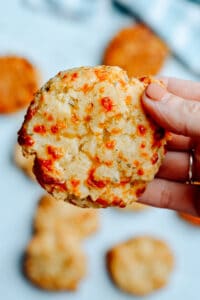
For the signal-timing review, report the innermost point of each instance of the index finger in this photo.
(182, 88)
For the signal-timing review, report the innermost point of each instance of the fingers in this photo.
(175, 166)
(182, 88)
(172, 195)
(196, 163)
(180, 143)
(176, 114)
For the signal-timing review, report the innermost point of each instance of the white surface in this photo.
(55, 44)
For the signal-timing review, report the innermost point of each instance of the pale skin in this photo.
(177, 109)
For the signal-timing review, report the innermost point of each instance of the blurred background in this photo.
(55, 35)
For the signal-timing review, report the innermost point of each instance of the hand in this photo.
(177, 109)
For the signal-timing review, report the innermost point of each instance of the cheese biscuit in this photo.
(55, 261)
(190, 219)
(52, 215)
(19, 80)
(140, 265)
(137, 50)
(93, 144)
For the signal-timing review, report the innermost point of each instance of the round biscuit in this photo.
(52, 215)
(137, 50)
(55, 261)
(190, 219)
(19, 81)
(140, 265)
(93, 144)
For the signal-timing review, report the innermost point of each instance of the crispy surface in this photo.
(24, 163)
(52, 215)
(141, 265)
(190, 219)
(137, 50)
(92, 142)
(18, 82)
(55, 262)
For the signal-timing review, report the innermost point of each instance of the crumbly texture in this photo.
(52, 215)
(137, 50)
(141, 265)
(190, 219)
(19, 80)
(55, 262)
(92, 143)
(24, 163)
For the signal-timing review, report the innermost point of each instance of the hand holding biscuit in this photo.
(177, 109)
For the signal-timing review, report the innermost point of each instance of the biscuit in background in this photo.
(52, 215)
(55, 261)
(94, 146)
(141, 265)
(137, 50)
(189, 218)
(24, 163)
(19, 81)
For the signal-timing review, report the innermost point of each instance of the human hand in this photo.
(177, 109)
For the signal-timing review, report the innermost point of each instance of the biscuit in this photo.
(18, 82)
(55, 262)
(137, 50)
(140, 265)
(24, 163)
(52, 215)
(190, 219)
(92, 142)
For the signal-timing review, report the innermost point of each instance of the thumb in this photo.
(176, 114)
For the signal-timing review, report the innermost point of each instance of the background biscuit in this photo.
(137, 50)
(55, 262)
(18, 82)
(190, 219)
(140, 265)
(52, 215)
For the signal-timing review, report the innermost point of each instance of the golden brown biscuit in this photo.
(190, 219)
(24, 163)
(137, 50)
(92, 142)
(55, 261)
(140, 265)
(18, 82)
(52, 215)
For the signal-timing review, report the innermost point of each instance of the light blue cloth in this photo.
(177, 21)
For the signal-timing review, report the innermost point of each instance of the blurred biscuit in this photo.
(92, 142)
(24, 163)
(52, 215)
(55, 261)
(140, 265)
(18, 83)
(137, 50)
(190, 219)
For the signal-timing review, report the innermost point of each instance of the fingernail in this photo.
(155, 92)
